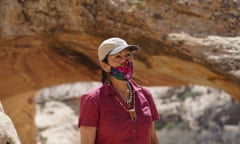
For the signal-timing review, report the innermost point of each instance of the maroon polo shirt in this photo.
(99, 108)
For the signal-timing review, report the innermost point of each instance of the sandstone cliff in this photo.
(44, 43)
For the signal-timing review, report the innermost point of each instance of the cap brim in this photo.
(118, 49)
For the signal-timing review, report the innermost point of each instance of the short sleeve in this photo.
(89, 112)
(148, 95)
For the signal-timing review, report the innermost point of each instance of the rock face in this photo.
(57, 113)
(8, 134)
(182, 42)
(45, 43)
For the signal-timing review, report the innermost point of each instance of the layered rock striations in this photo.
(45, 43)
(182, 42)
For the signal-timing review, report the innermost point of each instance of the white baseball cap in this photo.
(112, 46)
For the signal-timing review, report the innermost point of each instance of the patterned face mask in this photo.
(123, 72)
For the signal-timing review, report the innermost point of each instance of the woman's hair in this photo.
(104, 74)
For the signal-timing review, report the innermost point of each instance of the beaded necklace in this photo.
(132, 112)
(128, 101)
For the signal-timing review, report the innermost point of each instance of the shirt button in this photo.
(134, 130)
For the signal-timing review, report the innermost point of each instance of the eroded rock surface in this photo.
(8, 134)
(45, 43)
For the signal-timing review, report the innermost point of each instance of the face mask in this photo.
(123, 72)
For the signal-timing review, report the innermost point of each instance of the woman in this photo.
(120, 111)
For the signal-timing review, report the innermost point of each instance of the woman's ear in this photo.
(105, 66)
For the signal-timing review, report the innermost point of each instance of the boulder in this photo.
(8, 134)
